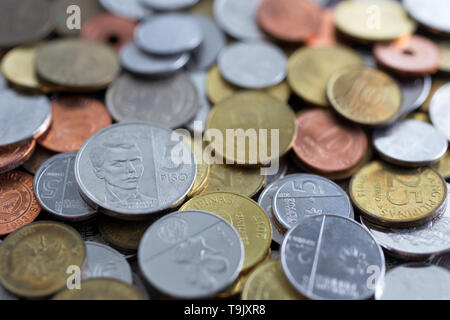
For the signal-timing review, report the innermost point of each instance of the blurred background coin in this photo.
(431, 14)
(163, 5)
(440, 110)
(131, 9)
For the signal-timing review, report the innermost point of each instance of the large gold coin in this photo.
(443, 166)
(364, 95)
(254, 128)
(395, 197)
(249, 219)
(35, 258)
(310, 69)
(373, 20)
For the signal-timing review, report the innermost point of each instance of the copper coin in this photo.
(75, 119)
(326, 34)
(18, 203)
(328, 144)
(14, 155)
(290, 20)
(109, 29)
(409, 56)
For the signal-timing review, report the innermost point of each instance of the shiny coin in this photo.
(245, 215)
(12, 156)
(444, 48)
(398, 198)
(163, 5)
(198, 123)
(415, 91)
(39, 156)
(171, 101)
(363, 95)
(22, 117)
(57, 191)
(42, 251)
(132, 9)
(191, 254)
(252, 65)
(440, 110)
(443, 166)
(169, 34)
(328, 257)
(410, 143)
(432, 14)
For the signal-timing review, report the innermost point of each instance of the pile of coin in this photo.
(119, 178)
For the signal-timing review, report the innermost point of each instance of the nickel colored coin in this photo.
(198, 123)
(443, 166)
(75, 119)
(170, 101)
(310, 69)
(363, 95)
(163, 5)
(410, 143)
(191, 254)
(396, 197)
(39, 156)
(35, 258)
(253, 65)
(432, 14)
(245, 215)
(128, 170)
(444, 48)
(57, 191)
(440, 110)
(14, 155)
(131, 9)
(328, 257)
(3, 82)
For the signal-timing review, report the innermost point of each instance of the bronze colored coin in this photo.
(444, 48)
(102, 289)
(397, 197)
(110, 30)
(77, 64)
(443, 166)
(13, 156)
(412, 56)
(364, 95)
(289, 20)
(310, 69)
(436, 84)
(37, 158)
(75, 119)
(35, 258)
(326, 143)
(326, 34)
(18, 203)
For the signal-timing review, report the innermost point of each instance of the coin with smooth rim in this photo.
(440, 110)
(432, 14)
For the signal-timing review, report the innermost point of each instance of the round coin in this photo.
(131, 9)
(14, 155)
(432, 14)
(166, 5)
(440, 110)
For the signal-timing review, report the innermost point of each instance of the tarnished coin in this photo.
(39, 156)
(245, 215)
(23, 117)
(198, 123)
(128, 170)
(440, 110)
(444, 48)
(163, 5)
(432, 14)
(330, 257)
(171, 102)
(57, 191)
(169, 33)
(191, 254)
(12, 156)
(363, 95)
(105, 262)
(415, 282)
(35, 258)
(132, 9)
(396, 197)
(410, 143)
(443, 166)
(253, 65)
(74, 120)
(308, 195)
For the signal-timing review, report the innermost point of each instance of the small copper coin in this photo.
(18, 203)
(14, 155)
(326, 34)
(75, 119)
(409, 56)
(109, 29)
(290, 20)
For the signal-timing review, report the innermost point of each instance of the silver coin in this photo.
(23, 117)
(164, 5)
(57, 191)
(170, 33)
(440, 110)
(198, 124)
(410, 143)
(136, 61)
(238, 18)
(129, 170)
(105, 262)
(309, 195)
(132, 9)
(283, 167)
(170, 101)
(332, 257)
(191, 254)
(432, 13)
(5, 295)
(416, 282)
(3, 83)
(253, 65)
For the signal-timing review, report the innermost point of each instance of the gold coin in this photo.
(420, 116)
(78, 65)
(394, 197)
(34, 259)
(254, 128)
(203, 169)
(436, 84)
(373, 20)
(218, 89)
(364, 95)
(249, 219)
(444, 47)
(101, 289)
(443, 166)
(310, 68)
